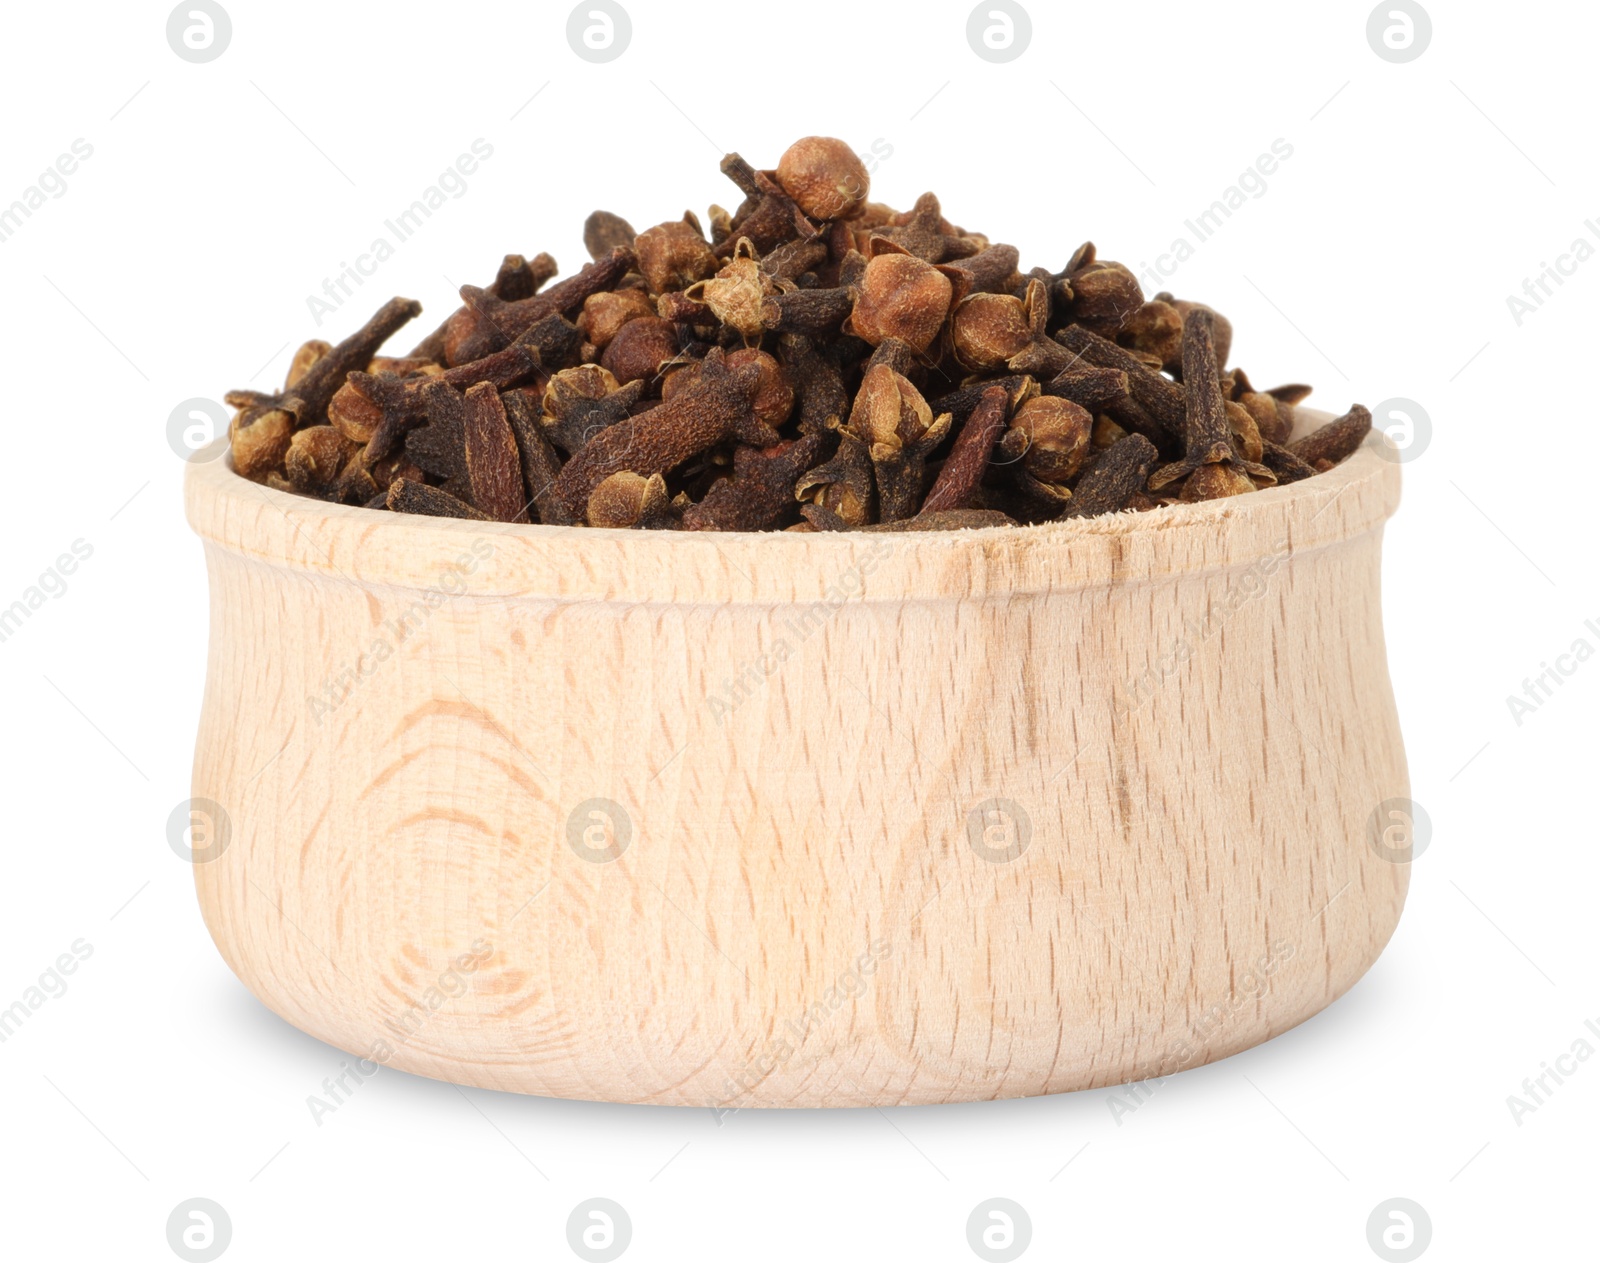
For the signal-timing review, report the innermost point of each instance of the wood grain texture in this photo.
(1190, 709)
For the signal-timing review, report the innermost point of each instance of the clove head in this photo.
(1103, 296)
(1053, 434)
(638, 349)
(736, 292)
(626, 500)
(260, 440)
(673, 255)
(605, 313)
(986, 330)
(824, 177)
(774, 395)
(902, 297)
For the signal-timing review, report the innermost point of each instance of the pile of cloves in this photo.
(818, 362)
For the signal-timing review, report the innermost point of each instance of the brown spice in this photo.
(817, 361)
(1336, 440)
(969, 458)
(494, 469)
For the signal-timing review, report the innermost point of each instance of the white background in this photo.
(1377, 264)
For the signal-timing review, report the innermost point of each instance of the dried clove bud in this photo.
(901, 297)
(736, 292)
(1050, 436)
(605, 313)
(315, 457)
(1117, 475)
(517, 278)
(1336, 440)
(673, 256)
(922, 232)
(494, 469)
(817, 382)
(627, 501)
(405, 496)
(841, 488)
(259, 439)
(824, 177)
(986, 330)
(604, 232)
(540, 464)
(899, 430)
(1098, 295)
(774, 397)
(440, 447)
(1207, 436)
(969, 458)
(639, 349)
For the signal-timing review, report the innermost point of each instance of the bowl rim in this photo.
(348, 543)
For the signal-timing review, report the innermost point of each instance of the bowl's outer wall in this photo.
(802, 915)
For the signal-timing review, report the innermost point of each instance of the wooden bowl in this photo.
(785, 820)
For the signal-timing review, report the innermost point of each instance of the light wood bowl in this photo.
(931, 846)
